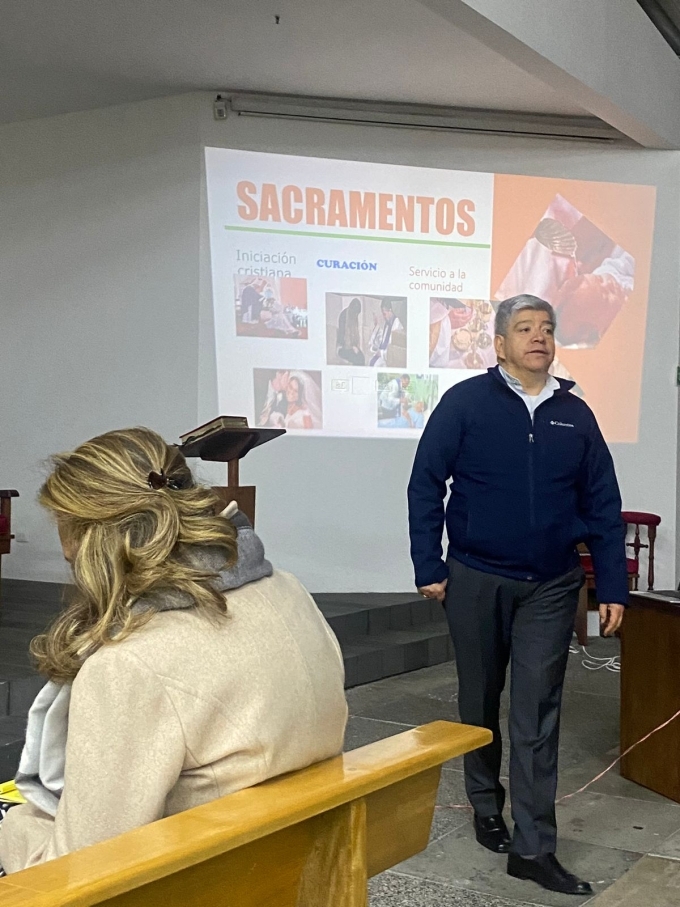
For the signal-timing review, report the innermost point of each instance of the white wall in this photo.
(99, 220)
(106, 321)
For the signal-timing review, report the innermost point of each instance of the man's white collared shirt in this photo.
(531, 401)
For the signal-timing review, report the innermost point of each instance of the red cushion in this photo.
(640, 517)
(587, 562)
(632, 565)
(4, 525)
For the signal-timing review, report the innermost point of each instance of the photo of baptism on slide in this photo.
(366, 330)
(271, 307)
(405, 401)
(288, 399)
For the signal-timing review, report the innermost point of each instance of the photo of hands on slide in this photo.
(578, 269)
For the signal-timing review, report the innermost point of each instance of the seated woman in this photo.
(184, 669)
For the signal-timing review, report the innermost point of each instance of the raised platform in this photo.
(26, 609)
(380, 634)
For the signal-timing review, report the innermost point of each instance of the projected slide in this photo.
(349, 296)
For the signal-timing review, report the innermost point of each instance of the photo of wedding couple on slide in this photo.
(271, 307)
(366, 330)
(405, 401)
(287, 398)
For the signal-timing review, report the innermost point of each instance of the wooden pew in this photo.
(308, 839)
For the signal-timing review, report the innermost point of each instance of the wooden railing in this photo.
(308, 839)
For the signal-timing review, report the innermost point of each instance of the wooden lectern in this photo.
(650, 693)
(230, 445)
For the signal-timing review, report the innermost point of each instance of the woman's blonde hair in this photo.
(126, 503)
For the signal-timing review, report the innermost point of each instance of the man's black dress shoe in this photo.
(547, 872)
(492, 833)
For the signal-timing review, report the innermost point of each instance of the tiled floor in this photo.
(602, 832)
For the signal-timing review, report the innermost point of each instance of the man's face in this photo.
(280, 382)
(529, 344)
(385, 313)
(405, 383)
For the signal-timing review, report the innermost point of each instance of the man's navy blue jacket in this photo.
(523, 494)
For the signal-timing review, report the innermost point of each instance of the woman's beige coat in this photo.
(186, 710)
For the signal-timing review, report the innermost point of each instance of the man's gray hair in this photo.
(517, 304)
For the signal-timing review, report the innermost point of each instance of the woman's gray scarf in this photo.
(40, 778)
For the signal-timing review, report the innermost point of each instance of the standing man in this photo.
(531, 477)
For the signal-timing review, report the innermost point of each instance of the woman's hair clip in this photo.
(158, 480)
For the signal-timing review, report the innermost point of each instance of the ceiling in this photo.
(672, 7)
(58, 56)
(665, 14)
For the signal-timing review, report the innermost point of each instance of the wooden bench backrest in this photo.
(308, 839)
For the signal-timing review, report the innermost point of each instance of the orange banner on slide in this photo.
(586, 247)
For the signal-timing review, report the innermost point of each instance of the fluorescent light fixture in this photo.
(416, 116)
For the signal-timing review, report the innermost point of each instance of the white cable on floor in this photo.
(593, 663)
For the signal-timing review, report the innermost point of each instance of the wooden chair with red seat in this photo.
(639, 518)
(6, 536)
(636, 518)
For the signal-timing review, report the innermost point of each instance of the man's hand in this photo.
(437, 591)
(611, 617)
